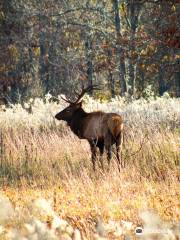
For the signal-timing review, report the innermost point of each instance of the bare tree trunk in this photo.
(122, 81)
(140, 75)
(176, 78)
(162, 84)
(111, 83)
(133, 12)
(89, 59)
(110, 73)
(43, 62)
(130, 69)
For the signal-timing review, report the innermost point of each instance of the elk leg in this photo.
(93, 151)
(109, 155)
(118, 158)
(101, 150)
(108, 143)
(119, 142)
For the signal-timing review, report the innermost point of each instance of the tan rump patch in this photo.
(116, 118)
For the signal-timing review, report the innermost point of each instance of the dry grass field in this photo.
(53, 193)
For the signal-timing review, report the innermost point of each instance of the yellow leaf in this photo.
(173, 8)
(14, 52)
(165, 58)
(2, 16)
(37, 51)
(123, 9)
(177, 56)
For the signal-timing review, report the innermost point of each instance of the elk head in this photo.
(74, 106)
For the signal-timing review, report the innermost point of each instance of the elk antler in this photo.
(67, 100)
(83, 91)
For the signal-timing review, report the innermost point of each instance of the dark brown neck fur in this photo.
(76, 123)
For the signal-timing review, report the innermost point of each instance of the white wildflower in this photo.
(30, 229)
(14, 234)
(26, 105)
(126, 225)
(42, 231)
(41, 207)
(33, 237)
(69, 230)
(60, 224)
(100, 227)
(150, 219)
(76, 235)
(115, 228)
(2, 229)
(6, 209)
(56, 222)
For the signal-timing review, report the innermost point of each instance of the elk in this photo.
(100, 129)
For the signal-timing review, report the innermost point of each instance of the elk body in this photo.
(101, 129)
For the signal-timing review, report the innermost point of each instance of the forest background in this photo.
(129, 47)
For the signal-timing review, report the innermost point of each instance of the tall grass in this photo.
(36, 146)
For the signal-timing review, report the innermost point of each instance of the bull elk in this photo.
(101, 129)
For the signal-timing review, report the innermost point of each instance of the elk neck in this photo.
(76, 123)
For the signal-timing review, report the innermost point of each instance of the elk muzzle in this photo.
(57, 116)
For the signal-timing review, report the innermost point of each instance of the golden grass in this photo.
(52, 163)
(58, 167)
(81, 200)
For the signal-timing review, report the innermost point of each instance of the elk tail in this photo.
(115, 126)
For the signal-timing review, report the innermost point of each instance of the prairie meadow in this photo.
(48, 187)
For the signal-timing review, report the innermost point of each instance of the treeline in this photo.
(126, 46)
